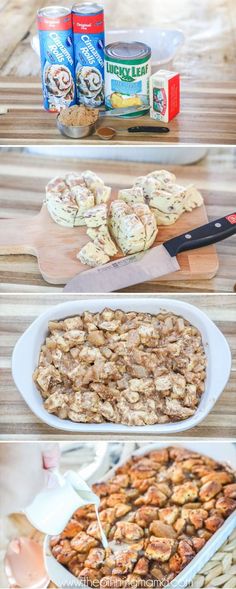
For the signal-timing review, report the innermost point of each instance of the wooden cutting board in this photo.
(56, 247)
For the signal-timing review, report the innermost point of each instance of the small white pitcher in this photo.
(52, 508)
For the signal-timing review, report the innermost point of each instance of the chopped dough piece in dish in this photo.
(69, 196)
(96, 216)
(92, 255)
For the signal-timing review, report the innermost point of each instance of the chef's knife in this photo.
(156, 262)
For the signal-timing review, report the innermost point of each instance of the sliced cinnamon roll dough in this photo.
(132, 195)
(166, 199)
(92, 255)
(96, 216)
(69, 197)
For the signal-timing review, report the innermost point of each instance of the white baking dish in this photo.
(165, 43)
(225, 453)
(26, 355)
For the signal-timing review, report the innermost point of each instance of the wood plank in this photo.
(202, 118)
(22, 181)
(17, 421)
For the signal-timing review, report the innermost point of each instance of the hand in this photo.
(51, 461)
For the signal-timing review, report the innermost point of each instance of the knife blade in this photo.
(154, 263)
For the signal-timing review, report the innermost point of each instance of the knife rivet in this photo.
(188, 236)
(217, 225)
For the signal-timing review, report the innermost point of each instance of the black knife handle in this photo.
(148, 129)
(202, 236)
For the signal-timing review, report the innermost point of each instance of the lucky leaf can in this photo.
(127, 74)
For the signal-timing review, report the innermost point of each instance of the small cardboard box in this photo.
(164, 95)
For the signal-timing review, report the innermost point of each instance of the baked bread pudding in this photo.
(158, 511)
(122, 367)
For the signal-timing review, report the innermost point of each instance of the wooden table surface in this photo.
(208, 116)
(22, 182)
(206, 63)
(18, 422)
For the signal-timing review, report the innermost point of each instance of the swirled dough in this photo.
(68, 197)
(166, 199)
(90, 85)
(59, 82)
(92, 255)
(133, 226)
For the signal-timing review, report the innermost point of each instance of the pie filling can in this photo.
(127, 73)
(88, 35)
(57, 57)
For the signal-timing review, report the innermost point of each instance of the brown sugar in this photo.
(78, 116)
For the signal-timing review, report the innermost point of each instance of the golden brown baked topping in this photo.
(185, 493)
(83, 542)
(160, 549)
(131, 368)
(127, 532)
(153, 533)
(161, 530)
(209, 490)
(230, 491)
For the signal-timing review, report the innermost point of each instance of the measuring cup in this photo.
(108, 133)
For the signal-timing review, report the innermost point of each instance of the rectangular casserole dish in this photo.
(221, 453)
(26, 354)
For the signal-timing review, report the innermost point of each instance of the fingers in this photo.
(51, 455)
